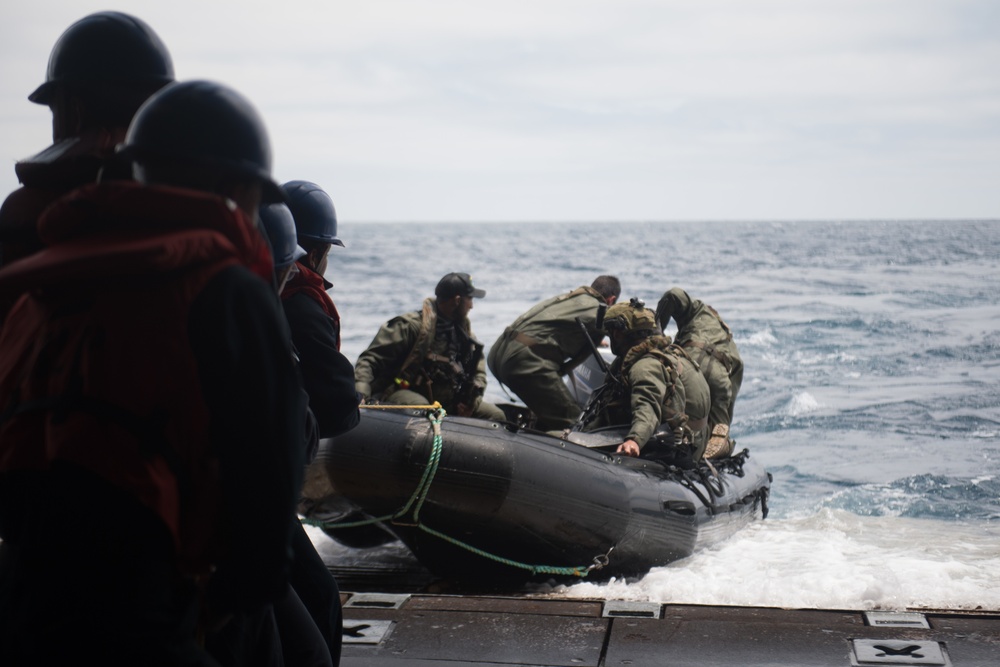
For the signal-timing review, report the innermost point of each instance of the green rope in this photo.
(581, 571)
(419, 495)
(436, 416)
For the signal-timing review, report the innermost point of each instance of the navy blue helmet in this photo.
(312, 208)
(207, 124)
(106, 47)
(280, 229)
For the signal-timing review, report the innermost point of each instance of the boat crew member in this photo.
(279, 228)
(315, 323)
(309, 620)
(654, 387)
(547, 342)
(709, 341)
(151, 431)
(430, 355)
(100, 70)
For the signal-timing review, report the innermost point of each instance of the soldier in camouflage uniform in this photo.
(709, 341)
(653, 386)
(430, 355)
(546, 343)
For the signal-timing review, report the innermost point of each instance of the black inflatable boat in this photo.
(476, 498)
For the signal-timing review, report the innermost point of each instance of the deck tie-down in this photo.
(630, 609)
(896, 619)
(900, 652)
(369, 631)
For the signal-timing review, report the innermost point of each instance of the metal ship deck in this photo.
(398, 615)
(424, 630)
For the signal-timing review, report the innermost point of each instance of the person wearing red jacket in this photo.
(151, 414)
(312, 316)
(311, 580)
(101, 69)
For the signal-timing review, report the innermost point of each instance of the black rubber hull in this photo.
(532, 499)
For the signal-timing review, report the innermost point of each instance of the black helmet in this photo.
(106, 47)
(280, 229)
(312, 208)
(203, 123)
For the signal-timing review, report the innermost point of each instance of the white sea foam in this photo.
(801, 404)
(830, 560)
(763, 338)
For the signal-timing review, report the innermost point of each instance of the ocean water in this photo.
(871, 389)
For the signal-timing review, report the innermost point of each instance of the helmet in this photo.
(203, 123)
(631, 316)
(280, 229)
(312, 208)
(106, 47)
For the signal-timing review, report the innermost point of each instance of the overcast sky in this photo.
(599, 110)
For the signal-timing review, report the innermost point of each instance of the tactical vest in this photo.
(661, 349)
(431, 370)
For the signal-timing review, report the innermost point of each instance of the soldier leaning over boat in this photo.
(709, 341)
(430, 355)
(654, 387)
(546, 343)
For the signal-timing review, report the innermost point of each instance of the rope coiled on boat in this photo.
(436, 414)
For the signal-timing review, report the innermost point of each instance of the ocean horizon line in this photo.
(765, 221)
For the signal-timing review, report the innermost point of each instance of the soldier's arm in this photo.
(326, 373)
(253, 391)
(480, 376)
(381, 362)
(649, 386)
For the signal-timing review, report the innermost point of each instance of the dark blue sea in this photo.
(871, 390)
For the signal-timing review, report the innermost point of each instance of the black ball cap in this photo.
(457, 284)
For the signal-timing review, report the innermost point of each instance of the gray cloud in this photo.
(627, 109)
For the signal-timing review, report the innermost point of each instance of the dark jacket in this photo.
(47, 176)
(326, 373)
(181, 377)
